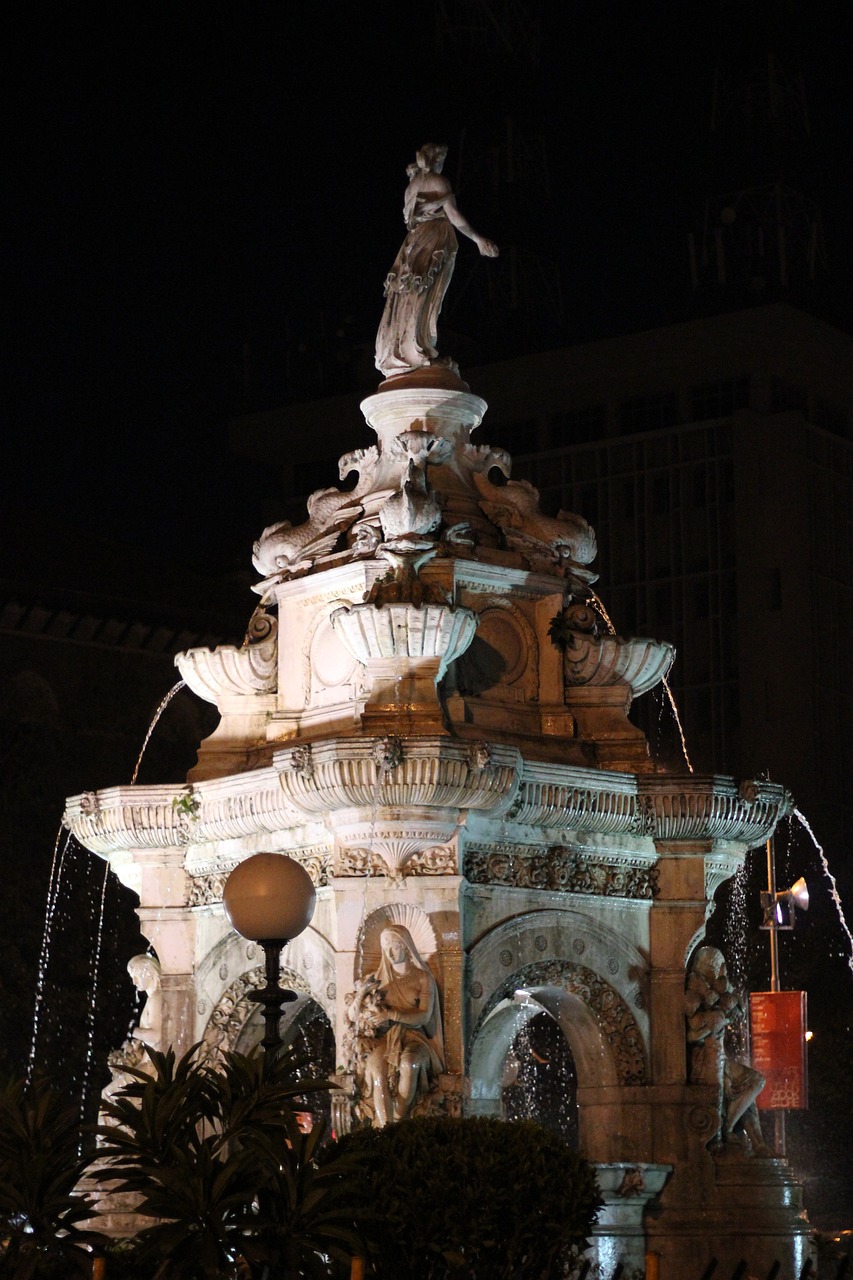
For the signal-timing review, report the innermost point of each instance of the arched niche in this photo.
(603, 1036)
(413, 918)
(236, 1024)
(223, 975)
(572, 937)
(503, 657)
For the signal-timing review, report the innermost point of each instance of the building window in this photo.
(648, 413)
(577, 426)
(719, 399)
(785, 396)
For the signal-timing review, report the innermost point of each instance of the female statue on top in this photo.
(416, 284)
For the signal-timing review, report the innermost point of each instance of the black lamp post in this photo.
(270, 899)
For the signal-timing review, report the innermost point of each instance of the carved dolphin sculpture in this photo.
(514, 508)
(285, 551)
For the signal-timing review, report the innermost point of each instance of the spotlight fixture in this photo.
(795, 899)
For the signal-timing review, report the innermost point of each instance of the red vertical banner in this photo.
(778, 1028)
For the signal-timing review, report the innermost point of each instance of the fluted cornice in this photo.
(390, 778)
(360, 773)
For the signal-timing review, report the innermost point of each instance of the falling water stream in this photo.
(679, 725)
(153, 725)
(736, 927)
(599, 606)
(60, 852)
(90, 1018)
(53, 887)
(833, 889)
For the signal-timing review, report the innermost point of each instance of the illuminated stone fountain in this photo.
(428, 715)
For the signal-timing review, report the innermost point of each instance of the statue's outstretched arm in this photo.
(487, 247)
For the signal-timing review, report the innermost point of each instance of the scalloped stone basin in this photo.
(410, 632)
(229, 670)
(609, 660)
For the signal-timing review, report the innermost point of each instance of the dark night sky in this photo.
(190, 177)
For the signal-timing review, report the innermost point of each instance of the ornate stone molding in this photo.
(578, 799)
(206, 890)
(359, 862)
(128, 818)
(439, 860)
(205, 887)
(344, 782)
(560, 868)
(713, 808)
(617, 1023)
(434, 772)
(717, 870)
(156, 817)
(397, 838)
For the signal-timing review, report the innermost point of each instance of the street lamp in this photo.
(270, 899)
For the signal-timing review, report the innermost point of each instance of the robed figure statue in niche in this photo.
(397, 1046)
(416, 284)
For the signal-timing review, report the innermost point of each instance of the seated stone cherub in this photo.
(711, 1005)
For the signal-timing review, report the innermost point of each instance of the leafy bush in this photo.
(474, 1199)
(216, 1155)
(40, 1167)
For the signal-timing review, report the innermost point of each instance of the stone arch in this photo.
(494, 1036)
(596, 935)
(598, 997)
(602, 1032)
(304, 1018)
(308, 967)
(226, 1027)
(696, 940)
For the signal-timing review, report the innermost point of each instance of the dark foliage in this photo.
(40, 1167)
(474, 1199)
(215, 1154)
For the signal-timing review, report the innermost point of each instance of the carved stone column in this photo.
(676, 914)
(171, 930)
